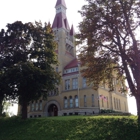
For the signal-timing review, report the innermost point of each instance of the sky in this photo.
(44, 11)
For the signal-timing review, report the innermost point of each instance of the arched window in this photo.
(125, 105)
(120, 104)
(65, 102)
(33, 106)
(71, 102)
(114, 103)
(85, 100)
(107, 102)
(76, 101)
(40, 105)
(92, 98)
(30, 106)
(36, 106)
(102, 102)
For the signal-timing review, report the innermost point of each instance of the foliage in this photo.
(109, 29)
(26, 62)
(70, 128)
(113, 112)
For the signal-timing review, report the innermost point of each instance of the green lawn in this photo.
(70, 128)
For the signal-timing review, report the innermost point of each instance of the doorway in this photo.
(52, 110)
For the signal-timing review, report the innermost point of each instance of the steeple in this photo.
(60, 20)
(60, 2)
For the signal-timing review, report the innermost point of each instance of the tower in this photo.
(64, 35)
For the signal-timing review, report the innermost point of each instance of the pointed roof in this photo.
(72, 32)
(60, 2)
(72, 64)
(60, 21)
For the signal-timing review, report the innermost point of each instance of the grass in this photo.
(70, 128)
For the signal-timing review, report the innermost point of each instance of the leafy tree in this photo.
(26, 62)
(109, 29)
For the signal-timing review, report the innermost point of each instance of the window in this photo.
(75, 83)
(56, 91)
(30, 106)
(125, 105)
(84, 82)
(107, 102)
(33, 106)
(102, 84)
(114, 83)
(85, 100)
(119, 104)
(65, 102)
(92, 98)
(67, 84)
(76, 101)
(40, 105)
(56, 69)
(71, 102)
(114, 103)
(102, 102)
(36, 106)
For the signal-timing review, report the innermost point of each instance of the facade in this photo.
(74, 96)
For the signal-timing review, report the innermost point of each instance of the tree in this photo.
(26, 62)
(109, 29)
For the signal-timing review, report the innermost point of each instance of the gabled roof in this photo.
(60, 21)
(72, 64)
(60, 2)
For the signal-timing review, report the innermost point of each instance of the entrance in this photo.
(52, 110)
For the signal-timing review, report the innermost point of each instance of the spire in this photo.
(60, 20)
(72, 32)
(60, 2)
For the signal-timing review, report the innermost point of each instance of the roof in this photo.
(72, 32)
(60, 21)
(60, 2)
(72, 64)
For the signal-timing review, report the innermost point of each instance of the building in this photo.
(74, 96)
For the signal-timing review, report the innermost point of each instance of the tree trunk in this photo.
(24, 110)
(138, 106)
(1, 108)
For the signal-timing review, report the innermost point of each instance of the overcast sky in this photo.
(42, 10)
(31, 10)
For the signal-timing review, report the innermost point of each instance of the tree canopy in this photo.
(109, 31)
(27, 56)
